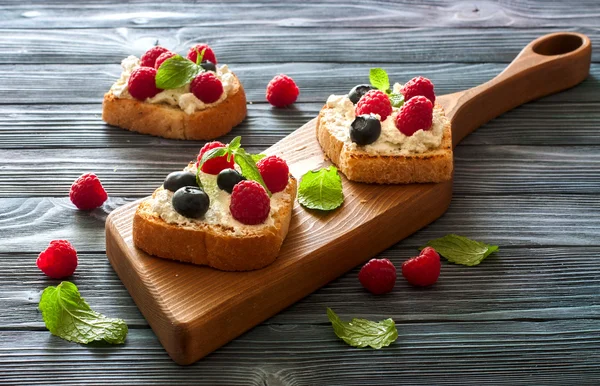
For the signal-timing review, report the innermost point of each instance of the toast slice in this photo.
(228, 247)
(168, 121)
(389, 167)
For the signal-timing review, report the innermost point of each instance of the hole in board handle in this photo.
(558, 45)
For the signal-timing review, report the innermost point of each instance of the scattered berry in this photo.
(58, 260)
(214, 165)
(250, 203)
(142, 83)
(190, 201)
(415, 115)
(207, 87)
(358, 91)
(422, 270)
(365, 129)
(282, 91)
(149, 58)
(208, 66)
(378, 276)
(228, 178)
(418, 86)
(161, 59)
(87, 192)
(275, 173)
(374, 102)
(178, 180)
(208, 54)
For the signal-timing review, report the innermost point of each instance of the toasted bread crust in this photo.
(213, 245)
(358, 165)
(171, 122)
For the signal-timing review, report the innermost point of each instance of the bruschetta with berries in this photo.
(387, 135)
(224, 210)
(167, 95)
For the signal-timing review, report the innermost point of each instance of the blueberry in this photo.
(365, 130)
(228, 178)
(177, 180)
(190, 201)
(358, 91)
(208, 66)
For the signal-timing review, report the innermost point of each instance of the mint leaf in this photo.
(199, 56)
(176, 72)
(235, 143)
(248, 166)
(396, 99)
(213, 153)
(461, 250)
(68, 316)
(257, 157)
(321, 189)
(362, 332)
(379, 79)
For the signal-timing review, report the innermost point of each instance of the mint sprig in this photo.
(461, 250)
(67, 315)
(380, 80)
(321, 189)
(200, 56)
(178, 71)
(362, 332)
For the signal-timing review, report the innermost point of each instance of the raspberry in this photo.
(378, 276)
(161, 59)
(422, 270)
(250, 203)
(282, 91)
(415, 115)
(87, 192)
(58, 260)
(142, 84)
(374, 102)
(149, 58)
(208, 54)
(418, 86)
(207, 87)
(214, 165)
(275, 173)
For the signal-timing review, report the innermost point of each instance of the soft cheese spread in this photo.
(218, 211)
(182, 96)
(340, 114)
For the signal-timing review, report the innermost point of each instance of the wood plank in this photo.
(565, 287)
(504, 353)
(356, 13)
(276, 44)
(68, 126)
(81, 84)
(28, 224)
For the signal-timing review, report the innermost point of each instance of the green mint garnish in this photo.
(257, 157)
(362, 332)
(396, 99)
(461, 250)
(379, 79)
(200, 56)
(176, 72)
(321, 189)
(68, 316)
(244, 160)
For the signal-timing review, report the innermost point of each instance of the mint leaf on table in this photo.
(461, 250)
(379, 79)
(362, 332)
(176, 72)
(68, 316)
(321, 189)
(396, 99)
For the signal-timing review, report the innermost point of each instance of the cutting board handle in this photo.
(548, 64)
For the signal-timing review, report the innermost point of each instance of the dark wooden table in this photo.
(528, 181)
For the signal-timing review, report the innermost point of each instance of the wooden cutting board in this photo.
(194, 310)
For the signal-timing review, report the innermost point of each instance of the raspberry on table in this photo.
(282, 91)
(250, 204)
(374, 102)
(162, 58)
(149, 58)
(197, 49)
(418, 86)
(275, 173)
(214, 165)
(87, 192)
(207, 87)
(416, 114)
(378, 276)
(59, 260)
(422, 270)
(142, 83)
